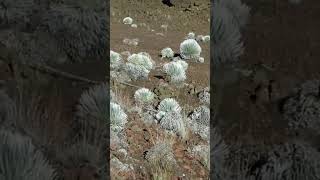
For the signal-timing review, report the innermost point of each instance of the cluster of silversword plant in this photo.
(137, 66)
(166, 112)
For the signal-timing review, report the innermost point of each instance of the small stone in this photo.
(146, 136)
(197, 89)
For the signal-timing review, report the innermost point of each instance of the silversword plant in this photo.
(190, 49)
(139, 66)
(167, 53)
(118, 118)
(115, 60)
(176, 71)
(206, 38)
(127, 20)
(168, 105)
(20, 160)
(191, 35)
(143, 95)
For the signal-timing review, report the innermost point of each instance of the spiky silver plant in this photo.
(302, 110)
(201, 60)
(167, 53)
(118, 118)
(201, 115)
(161, 154)
(199, 122)
(115, 60)
(20, 160)
(183, 63)
(139, 66)
(16, 11)
(143, 95)
(206, 38)
(176, 71)
(136, 72)
(8, 110)
(226, 40)
(80, 28)
(190, 49)
(191, 35)
(169, 105)
(219, 151)
(204, 97)
(92, 113)
(239, 10)
(172, 121)
(93, 104)
(127, 20)
(169, 116)
(148, 60)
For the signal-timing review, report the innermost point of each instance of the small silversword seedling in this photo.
(206, 38)
(127, 20)
(191, 35)
(201, 60)
(167, 53)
